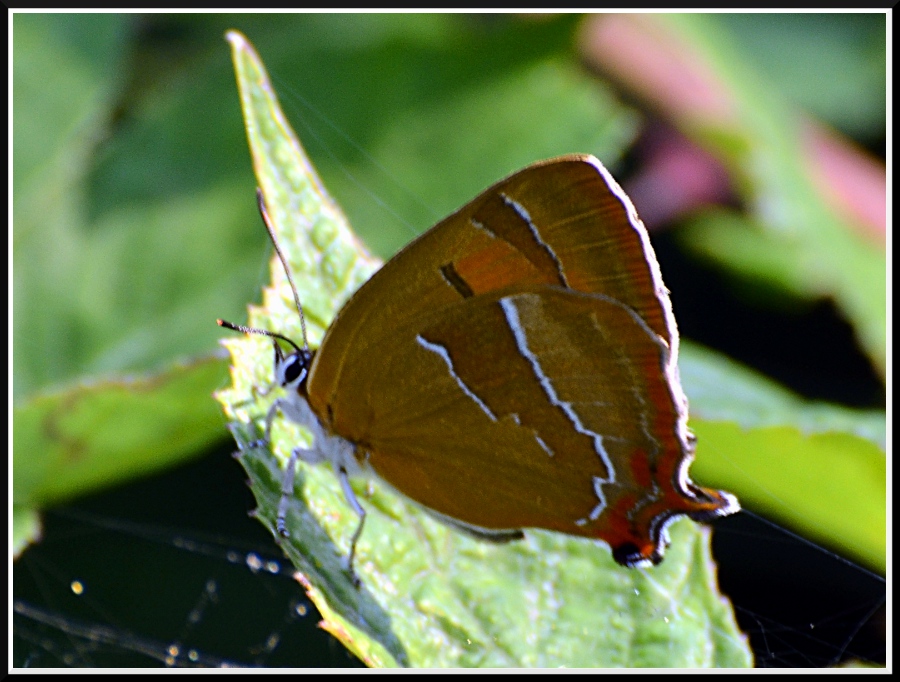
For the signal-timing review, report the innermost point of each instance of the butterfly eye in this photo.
(294, 368)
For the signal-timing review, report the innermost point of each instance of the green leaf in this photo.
(74, 440)
(431, 596)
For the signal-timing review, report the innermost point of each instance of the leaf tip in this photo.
(236, 38)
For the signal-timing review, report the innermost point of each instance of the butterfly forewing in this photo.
(562, 222)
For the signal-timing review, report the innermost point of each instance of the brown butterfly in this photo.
(514, 367)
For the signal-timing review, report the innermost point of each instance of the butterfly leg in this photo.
(287, 491)
(341, 473)
(336, 450)
(287, 484)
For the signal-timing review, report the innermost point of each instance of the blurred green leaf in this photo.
(820, 469)
(71, 441)
(63, 86)
(468, 99)
(799, 53)
(98, 298)
(531, 111)
(106, 283)
(430, 596)
(794, 236)
(26, 528)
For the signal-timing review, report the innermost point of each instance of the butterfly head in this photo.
(291, 369)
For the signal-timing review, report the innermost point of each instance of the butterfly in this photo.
(513, 367)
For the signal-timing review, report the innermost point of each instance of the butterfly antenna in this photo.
(261, 202)
(253, 330)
